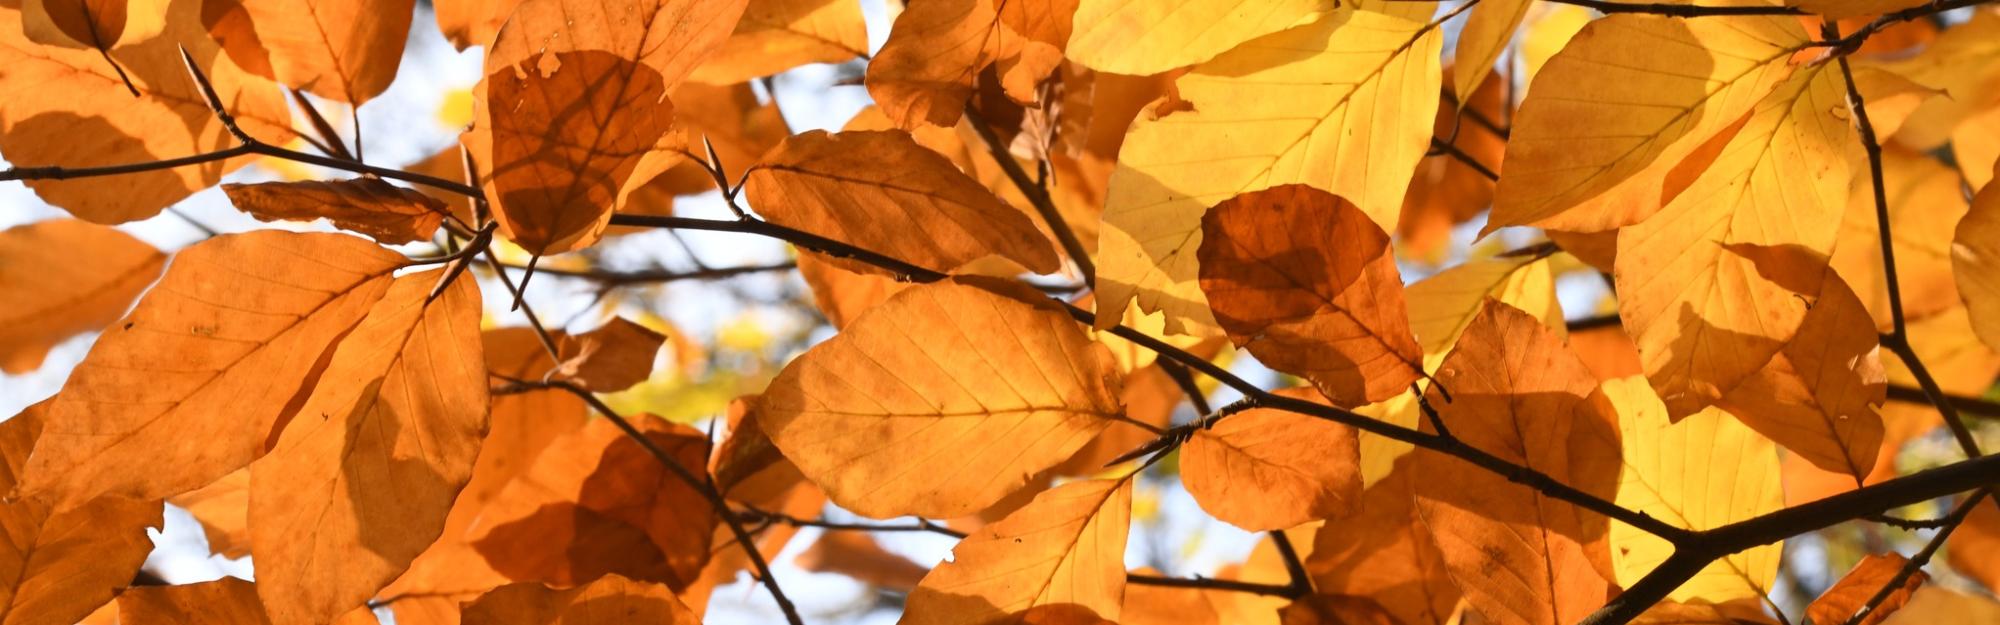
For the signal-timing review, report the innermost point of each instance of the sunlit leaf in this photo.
(70, 277)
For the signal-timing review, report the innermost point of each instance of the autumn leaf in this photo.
(871, 188)
(1979, 534)
(777, 35)
(1153, 36)
(1061, 558)
(856, 555)
(1445, 190)
(385, 212)
(367, 472)
(1975, 250)
(1925, 204)
(345, 50)
(63, 563)
(1517, 393)
(609, 600)
(842, 295)
(71, 108)
(876, 414)
(1385, 552)
(226, 601)
(1480, 42)
(71, 277)
(612, 357)
(1331, 314)
(192, 384)
(1319, 609)
(1302, 91)
(747, 466)
(1626, 101)
(1267, 469)
(96, 24)
(1853, 591)
(1700, 473)
(223, 508)
(931, 63)
(1705, 312)
(556, 171)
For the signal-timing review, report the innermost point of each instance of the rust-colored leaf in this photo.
(1269, 469)
(1852, 592)
(608, 601)
(1332, 313)
(343, 50)
(935, 53)
(611, 358)
(62, 563)
(873, 188)
(1384, 552)
(67, 277)
(386, 212)
(226, 601)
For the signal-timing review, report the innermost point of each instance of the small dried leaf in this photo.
(386, 212)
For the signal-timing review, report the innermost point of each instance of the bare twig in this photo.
(1037, 196)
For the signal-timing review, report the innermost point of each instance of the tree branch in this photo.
(1038, 196)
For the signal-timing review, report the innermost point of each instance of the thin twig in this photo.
(1294, 567)
(1922, 557)
(1272, 590)
(1037, 196)
(1446, 148)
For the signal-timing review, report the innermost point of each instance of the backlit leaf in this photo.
(611, 358)
(343, 50)
(1151, 36)
(1384, 552)
(1975, 258)
(1060, 559)
(931, 63)
(777, 35)
(69, 277)
(941, 401)
(1855, 588)
(607, 601)
(386, 212)
(62, 563)
(1333, 314)
(1267, 469)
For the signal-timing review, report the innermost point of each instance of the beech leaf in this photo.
(385, 212)
(1061, 558)
(70, 277)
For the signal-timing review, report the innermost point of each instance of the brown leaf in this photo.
(1268, 469)
(611, 358)
(747, 466)
(226, 601)
(942, 400)
(385, 212)
(1853, 591)
(608, 601)
(873, 188)
(857, 555)
(68, 107)
(194, 383)
(1384, 552)
(843, 295)
(1970, 549)
(1517, 393)
(66, 277)
(366, 474)
(1060, 559)
(1818, 397)
(596, 503)
(1446, 191)
(1331, 313)
(95, 24)
(342, 50)
(61, 564)
(1319, 609)
(928, 68)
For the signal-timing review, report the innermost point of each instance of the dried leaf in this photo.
(1268, 469)
(1854, 589)
(611, 358)
(1386, 553)
(385, 212)
(777, 35)
(226, 601)
(856, 555)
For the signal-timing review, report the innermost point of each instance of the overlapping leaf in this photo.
(1267, 469)
(1975, 259)
(62, 563)
(70, 277)
(344, 50)
(389, 213)
(931, 64)
(1059, 559)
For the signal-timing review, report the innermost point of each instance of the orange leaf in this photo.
(1975, 253)
(1853, 591)
(928, 68)
(611, 358)
(386, 212)
(383, 444)
(1970, 549)
(226, 601)
(777, 35)
(66, 277)
(843, 295)
(1318, 609)
(95, 24)
(1384, 552)
(608, 601)
(223, 508)
(1269, 469)
(196, 380)
(1060, 559)
(857, 555)
(61, 564)
(1332, 313)
(942, 400)
(873, 188)
(68, 107)
(342, 50)
(748, 466)
(469, 23)
(1519, 394)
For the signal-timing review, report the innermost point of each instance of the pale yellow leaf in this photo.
(1140, 37)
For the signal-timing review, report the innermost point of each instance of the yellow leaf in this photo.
(777, 35)
(1140, 37)
(1819, 394)
(1549, 28)
(941, 401)
(344, 50)
(63, 563)
(56, 296)
(1925, 203)
(366, 474)
(1268, 469)
(1627, 100)
(873, 189)
(1961, 62)
(1061, 559)
(68, 107)
(1975, 258)
(1331, 313)
(613, 599)
(1704, 472)
(1308, 105)
(1936, 604)
(1838, 9)
(386, 212)
(1975, 146)
(1442, 305)
(191, 385)
(1706, 310)
(1480, 43)
(1518, 393)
